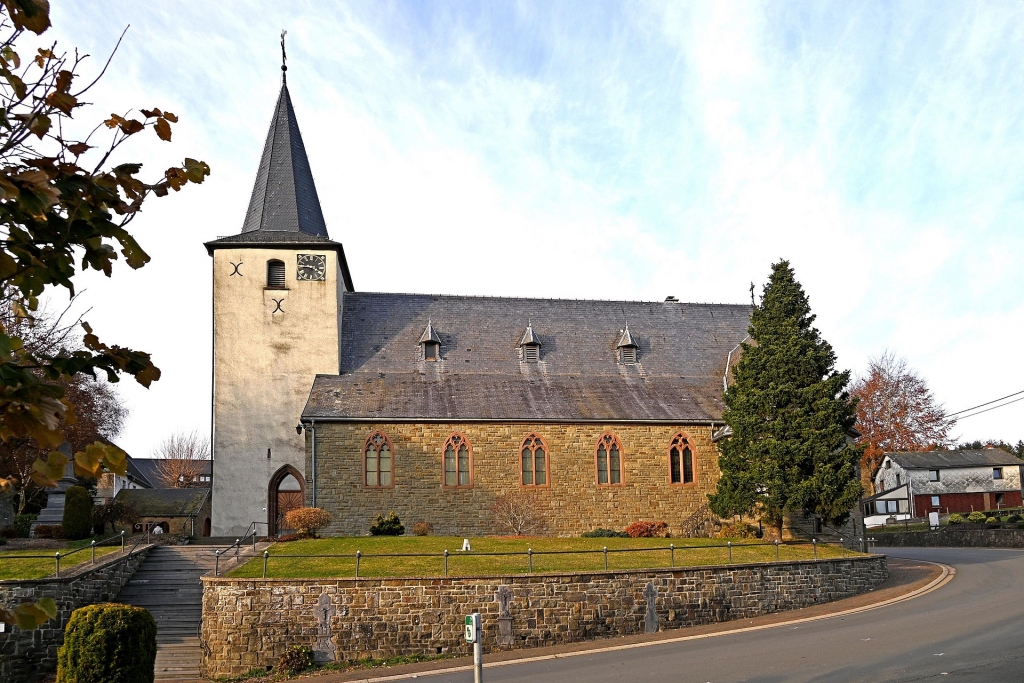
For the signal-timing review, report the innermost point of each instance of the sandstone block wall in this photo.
(250, 623)
(572, 503)
(27, 655)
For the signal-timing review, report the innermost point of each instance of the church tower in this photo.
(277, 289)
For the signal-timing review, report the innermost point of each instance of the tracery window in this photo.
(458, 461)
(379, 461)
(534, 461)
(680, 460)
(609, 460)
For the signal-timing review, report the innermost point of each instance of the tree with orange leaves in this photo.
(896, 412)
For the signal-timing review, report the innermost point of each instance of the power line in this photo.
(982, 405)
(964, 417)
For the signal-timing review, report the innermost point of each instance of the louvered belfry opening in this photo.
(531, 353)
(275, 274)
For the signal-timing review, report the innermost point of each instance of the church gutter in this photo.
(516, 420)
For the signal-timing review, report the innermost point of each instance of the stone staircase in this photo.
(168, 585)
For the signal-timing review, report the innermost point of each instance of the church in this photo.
(588, 414)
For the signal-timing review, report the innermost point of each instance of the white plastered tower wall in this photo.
(265, 358)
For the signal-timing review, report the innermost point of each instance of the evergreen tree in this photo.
(790, 412)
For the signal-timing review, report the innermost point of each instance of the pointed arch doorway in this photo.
(286, 492)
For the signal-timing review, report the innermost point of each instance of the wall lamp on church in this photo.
(299, 428)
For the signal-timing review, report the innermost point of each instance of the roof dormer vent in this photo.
(626, 348)
(529, 346)
(430, 343)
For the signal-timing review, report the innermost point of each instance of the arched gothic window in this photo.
(379, 461)
(275, 274)
(609, 460)
(680, 461)
(458, 461)
(534, 463)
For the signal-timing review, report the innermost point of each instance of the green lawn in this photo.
(13, 568)
(689, 552)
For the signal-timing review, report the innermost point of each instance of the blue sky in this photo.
(599, 150)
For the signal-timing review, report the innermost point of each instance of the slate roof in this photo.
(284, 196)
(135, 473)
(165, 502)
(985, 457)
(682, 351)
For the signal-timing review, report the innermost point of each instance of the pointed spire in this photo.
(626, 339)
(284, 197)
(429, 335)
(528, 336)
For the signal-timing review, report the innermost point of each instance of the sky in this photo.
(593, 150)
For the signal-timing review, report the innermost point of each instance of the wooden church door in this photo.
(286, 494)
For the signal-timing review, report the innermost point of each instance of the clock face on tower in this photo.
(312, 267)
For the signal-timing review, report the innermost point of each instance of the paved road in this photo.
(971, 629)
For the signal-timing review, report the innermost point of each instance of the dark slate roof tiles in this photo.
(985, 457)
(678, 376)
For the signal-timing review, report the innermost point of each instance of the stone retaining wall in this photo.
(949, 538)
(250, 623)
(27, 655)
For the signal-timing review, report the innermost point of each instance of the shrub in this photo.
(604, 533)
(991, 520)
(23, 524)
(77, 521)
(307, 520)
(292, 537)
(516, 513)
(976, 517)
(112, 512)
(49, 531)
(422, 529)
(1014, 518)
(297, 659)
(738, 530)
(387, 526)
(108, 643)
(955, 518)
(8, 532)
(647, 530)
(3, 541)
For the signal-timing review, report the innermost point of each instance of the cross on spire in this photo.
(284, 59)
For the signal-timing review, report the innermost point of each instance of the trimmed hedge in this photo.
(77, 521)
(108, 643)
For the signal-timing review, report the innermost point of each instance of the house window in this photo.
(933, 475)
(378, 458)
(935, 501)
(899, 482)
(430, 350)
(888, 464)
(999, 500)
(997, 472)
(275, 274)
(609, 460)
(535, 459)
(887, 507)
(458, 461)
(680, 461)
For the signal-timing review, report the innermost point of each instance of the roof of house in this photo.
(133, 472)
(165, 502)
(984, 457)
(681, 359)
(148, 467)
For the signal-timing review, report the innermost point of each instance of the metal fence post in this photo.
(606, 558)
(122, 541)
(729, 543)
(216, 563)
(57, 557)
(672, 554)
(842, 548)
(814, 542)
(266, 556)
(446, 561)
(93, 544)
(529, 557)
(254, 540)
(238, 545)
(776, 550)
(359, 556)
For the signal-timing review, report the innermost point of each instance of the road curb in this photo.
(947, 575)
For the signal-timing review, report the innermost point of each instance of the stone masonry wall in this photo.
(945, 537)
(572, 503)
(27, 655)
(249, 624)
